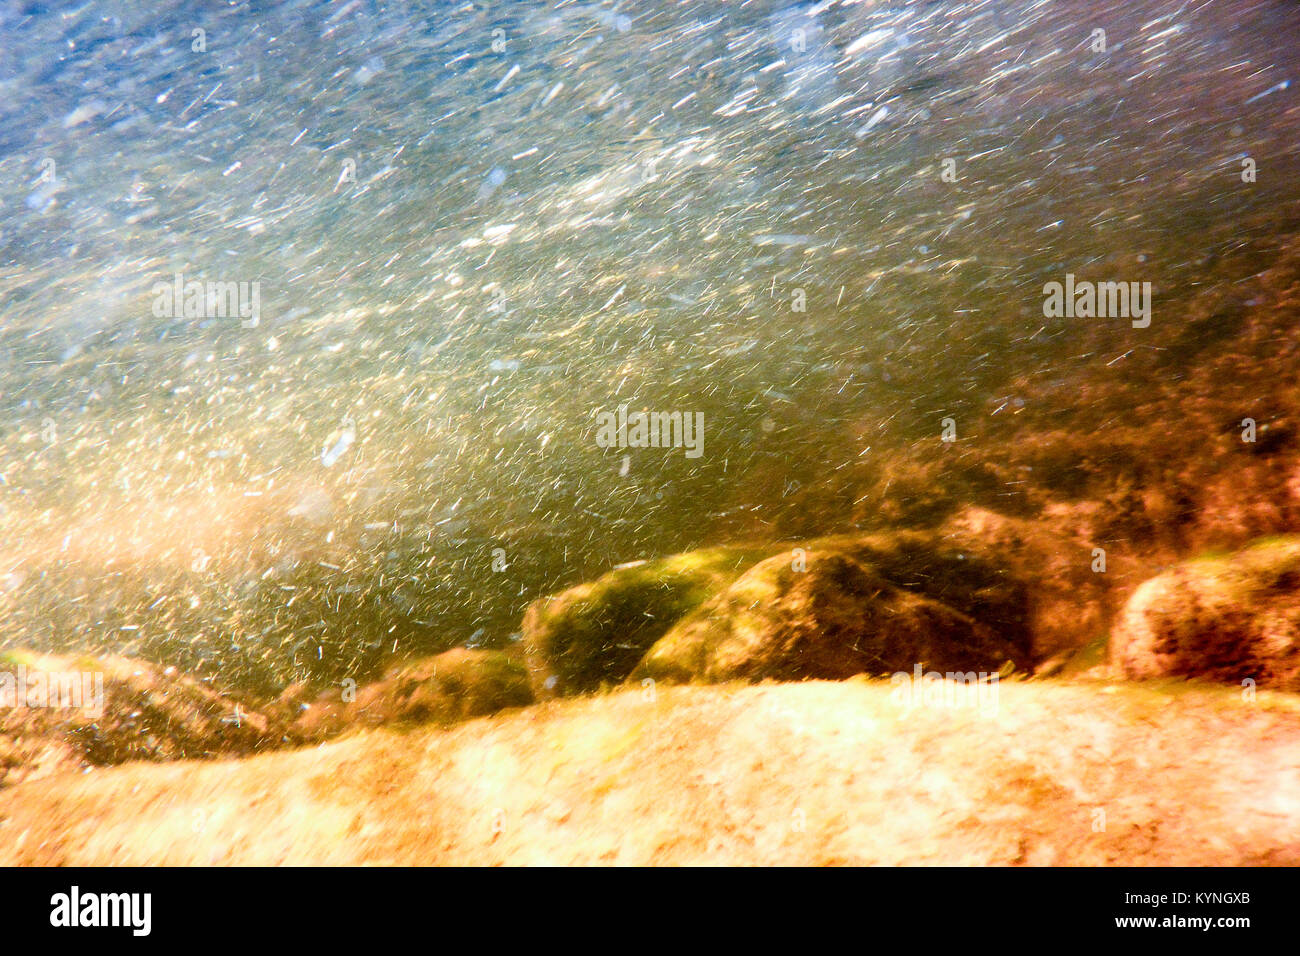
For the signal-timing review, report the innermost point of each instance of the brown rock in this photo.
(456, 685)
(148, 713)
(1224, 619)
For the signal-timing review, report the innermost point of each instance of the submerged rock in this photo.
(1036, 581)
(814, 773)
(1225, 619)
(455, 685)
(597, 632)
(834, 619)
(62, 713)
(972, 594)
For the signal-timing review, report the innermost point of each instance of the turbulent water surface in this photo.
(473, 227)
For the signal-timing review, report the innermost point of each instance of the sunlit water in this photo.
(475, 226)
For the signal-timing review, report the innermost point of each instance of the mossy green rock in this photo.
(969, 595)
(1228, 618)
(827, 615)
(596, 632)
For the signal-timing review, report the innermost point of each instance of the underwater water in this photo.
(460, 232)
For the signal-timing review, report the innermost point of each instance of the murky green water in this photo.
(475, 226)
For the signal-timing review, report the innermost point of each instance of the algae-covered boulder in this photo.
(597, 632)
(455, 685)
(977, 591)
(827, 616)
(1222, 619)
(61, 713)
